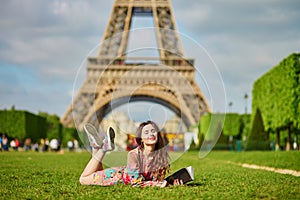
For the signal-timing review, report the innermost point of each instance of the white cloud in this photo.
(244, 38)
(50, 39)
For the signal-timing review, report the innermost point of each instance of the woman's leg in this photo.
(94, 165)
(94, 174)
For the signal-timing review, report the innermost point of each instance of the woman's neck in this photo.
(148, 149)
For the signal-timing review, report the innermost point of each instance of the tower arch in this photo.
(112, 75)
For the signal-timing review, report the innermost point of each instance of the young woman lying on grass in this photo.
(147, 164)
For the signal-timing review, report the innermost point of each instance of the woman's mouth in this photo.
(151, 138)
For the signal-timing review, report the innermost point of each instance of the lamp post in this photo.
(246, 97)
(230, 105)
(230, 128)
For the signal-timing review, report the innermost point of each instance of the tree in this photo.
(258, 138)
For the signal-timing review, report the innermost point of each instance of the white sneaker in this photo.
(93, 135)
(108, 142)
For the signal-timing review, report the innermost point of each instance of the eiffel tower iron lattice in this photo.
(114, 79)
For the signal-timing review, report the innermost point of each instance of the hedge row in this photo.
(53, 126)
(230, 129)
(277, 95)
(56, 130)
(231, 124)
(22, 124)
(221, 126)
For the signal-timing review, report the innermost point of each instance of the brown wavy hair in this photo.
(160, 165)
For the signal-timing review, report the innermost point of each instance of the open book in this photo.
(184, 174)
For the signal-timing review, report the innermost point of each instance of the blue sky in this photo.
(43, 43)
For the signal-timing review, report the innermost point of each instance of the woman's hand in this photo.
(178, 182)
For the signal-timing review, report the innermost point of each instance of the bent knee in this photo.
(82, 180)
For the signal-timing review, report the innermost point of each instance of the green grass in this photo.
(279, 159)
(30, 175)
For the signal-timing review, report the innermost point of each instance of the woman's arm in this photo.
(161, 184)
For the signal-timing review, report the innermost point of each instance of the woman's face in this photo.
(149, 135)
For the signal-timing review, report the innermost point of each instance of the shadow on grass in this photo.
(194, 184)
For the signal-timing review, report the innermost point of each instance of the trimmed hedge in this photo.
(22, 124)
(277, 95)
(211, 125)
(257, 145)
(53, 126)
(231, 124)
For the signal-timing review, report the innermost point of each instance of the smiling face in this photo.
(149, 135)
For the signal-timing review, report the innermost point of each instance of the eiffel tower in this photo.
(114, 79)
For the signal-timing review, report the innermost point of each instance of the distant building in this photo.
(175, 125)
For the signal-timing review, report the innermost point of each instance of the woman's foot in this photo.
(108, 142)
(93, 135)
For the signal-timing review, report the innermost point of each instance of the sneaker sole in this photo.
(93, 133)
(111, 137)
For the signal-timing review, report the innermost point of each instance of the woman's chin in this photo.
(150, 142)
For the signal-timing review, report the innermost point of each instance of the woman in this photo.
(147, 164)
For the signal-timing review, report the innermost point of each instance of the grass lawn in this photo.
(31, 175)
